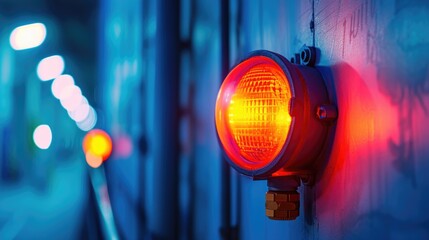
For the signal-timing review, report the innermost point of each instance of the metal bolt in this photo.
(327, 112)
(307, 55)
(296, 59)
(282, 205)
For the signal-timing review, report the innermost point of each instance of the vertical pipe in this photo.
(142, 141)
(166, 121)
(225, 168)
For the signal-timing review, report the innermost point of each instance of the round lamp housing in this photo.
(266, 116)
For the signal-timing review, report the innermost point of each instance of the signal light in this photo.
(252, 115)
(97, 146)
(270, 124)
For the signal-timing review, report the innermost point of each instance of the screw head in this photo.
(327, 112)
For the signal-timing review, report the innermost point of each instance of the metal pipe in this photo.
(142, 141)
(166, 121)
(225, 168)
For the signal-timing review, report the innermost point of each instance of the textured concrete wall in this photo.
(375, 184)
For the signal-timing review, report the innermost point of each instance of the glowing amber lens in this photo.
(252, 116)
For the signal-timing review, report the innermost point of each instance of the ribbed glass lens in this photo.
(252, 117)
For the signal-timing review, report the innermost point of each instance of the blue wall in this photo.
(375, 52)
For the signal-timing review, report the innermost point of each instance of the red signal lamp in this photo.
(272, 123)
(97, 146)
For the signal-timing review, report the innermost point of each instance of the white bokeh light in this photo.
(69, 92)
(81, 112)
(72, 99)
(89, 122)
(50, 67)
(42, 136)
(60, 83)
(27, 36)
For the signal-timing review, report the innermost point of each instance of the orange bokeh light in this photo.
(97, 145)
(252, 112)
(93, 161)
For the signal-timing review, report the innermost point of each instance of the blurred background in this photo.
(147, 73)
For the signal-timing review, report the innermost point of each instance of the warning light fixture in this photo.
(273, 118)
(97, 146)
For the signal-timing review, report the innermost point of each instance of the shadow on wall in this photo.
(403, 76)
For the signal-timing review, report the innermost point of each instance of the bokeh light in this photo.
(42, 136)
(50, 67)
(70, 91)
(81, 112)
(60, 83)
(89, 122)
(123, 146)
(27, 36)
(97, 143)
(72, 98)
(93, 161)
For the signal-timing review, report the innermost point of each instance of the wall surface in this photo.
(375, 184)
(373, 52)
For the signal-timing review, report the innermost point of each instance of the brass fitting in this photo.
(282, 205)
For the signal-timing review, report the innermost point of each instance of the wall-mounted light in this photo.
(271, 120)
